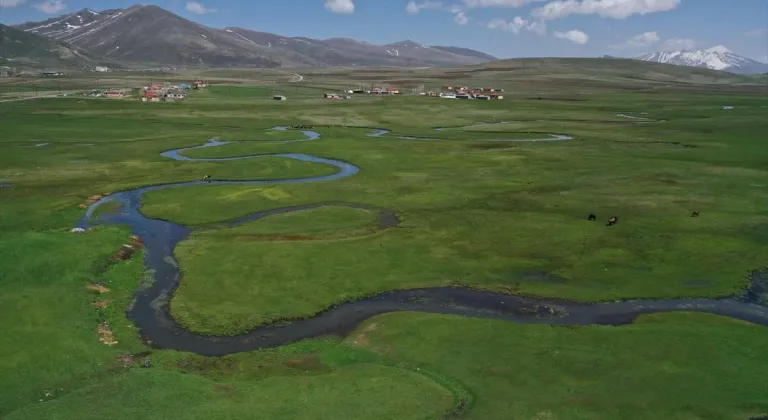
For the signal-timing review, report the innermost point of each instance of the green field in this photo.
(508, 217)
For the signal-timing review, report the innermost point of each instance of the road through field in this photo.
(26, 99)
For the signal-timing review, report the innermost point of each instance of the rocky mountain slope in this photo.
(24, 49)
(716, 58)
(152, 35)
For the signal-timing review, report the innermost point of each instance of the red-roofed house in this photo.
(114, 94)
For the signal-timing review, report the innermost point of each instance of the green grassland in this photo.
(474, 213)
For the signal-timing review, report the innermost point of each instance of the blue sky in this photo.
(505, 28)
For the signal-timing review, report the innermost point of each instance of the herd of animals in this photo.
(613, 220)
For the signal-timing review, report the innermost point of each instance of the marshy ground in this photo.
(509, 219)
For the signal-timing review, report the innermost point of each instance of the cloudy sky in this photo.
(505, 28)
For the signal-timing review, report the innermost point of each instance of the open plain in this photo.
(395, 257)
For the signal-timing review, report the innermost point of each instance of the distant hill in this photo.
(716, 58)
(466, 52)
(152, 35)
(23, 49)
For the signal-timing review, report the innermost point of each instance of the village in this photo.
(447, 92)
(155, 92)
(167, 92)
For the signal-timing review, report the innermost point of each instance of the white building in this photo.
(102, 69)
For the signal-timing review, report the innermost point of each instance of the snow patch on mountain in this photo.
(715, 58)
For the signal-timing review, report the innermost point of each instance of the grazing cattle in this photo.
(207, 178)
(695, 214)
(592, 218)
(612, 221)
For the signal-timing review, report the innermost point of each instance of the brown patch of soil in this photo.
(137, 242)
(106, 335)
(125, 252)
(360, 337)
(101, 304)
(97, 287)
(128, 360)
(92, 199)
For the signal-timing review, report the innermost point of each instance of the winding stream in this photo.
(151, 310)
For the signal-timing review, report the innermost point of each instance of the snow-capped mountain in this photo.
(715, 58)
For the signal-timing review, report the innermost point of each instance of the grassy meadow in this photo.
(474, 212)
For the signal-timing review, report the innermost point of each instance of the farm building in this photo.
(114, 94)
(176, 94)
(331, 96)
(279, 98)
(496, 96)
(199, 84)
(150, 96)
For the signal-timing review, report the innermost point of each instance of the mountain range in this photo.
(150, 35)
(715, 58)
(20, 48)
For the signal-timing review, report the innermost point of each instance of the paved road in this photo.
(297, 78)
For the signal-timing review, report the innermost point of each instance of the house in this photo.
(114, 94)
(199, 84)
(150, 96)
(483, 97)
(331, 96)
(448, 96)
(496, 96)
(279, 98)
(101, 69)
(393, 91)
(464, 96)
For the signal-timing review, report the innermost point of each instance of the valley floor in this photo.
(456, 207)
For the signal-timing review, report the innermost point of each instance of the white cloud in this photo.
(344, 7)
(414, 8)
(457, 10)
(51, 7)
(678, 44)
(198, 8)
(497, 3)
(643, 40)
(757, 32)
(11, 3)
(517, 24)
(575, 36)
(615, 9)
